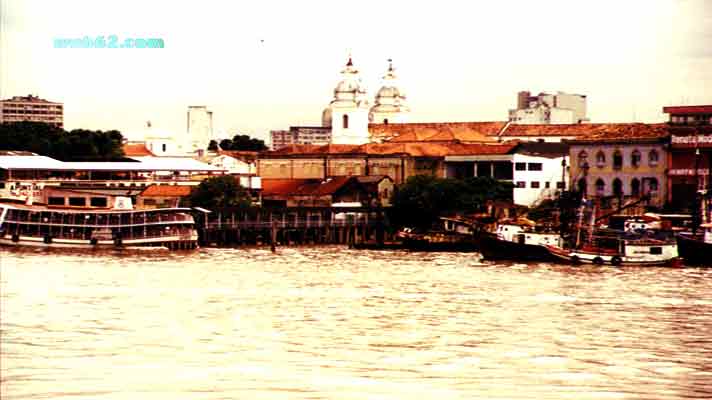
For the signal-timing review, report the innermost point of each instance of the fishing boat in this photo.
(448, 234)
(43, 226)
(623, 249)
(696, 248)
(520, 240)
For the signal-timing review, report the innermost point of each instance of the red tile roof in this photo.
(136, 150)
(304, 187)
(706, 109)
(437, 131)
(620, 132)
(166, 191)
(282, 186)
(414, 149)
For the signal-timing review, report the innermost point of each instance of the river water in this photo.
(332, 323)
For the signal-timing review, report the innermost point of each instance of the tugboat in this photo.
(520, 240)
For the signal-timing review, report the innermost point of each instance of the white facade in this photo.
(200, 127)
(390, 102)
(349, 109)
(537, 178)
(233, 165)
(559, 108)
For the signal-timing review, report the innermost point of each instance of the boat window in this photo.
(55, 201)
(77, 201)
(656, 250)
(98, 202)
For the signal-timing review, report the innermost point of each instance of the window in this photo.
(582, 185)
(385, 121)
(653, 158)
(535, 185)
(600, 159)
(582, 158)
(559, 185)
(520, 166)
(521, 184)
(345, 121)
(98, 202)
(535, 166)
(617, 160)
(163, 147)
(617, 187)
(635, 187)
(656, 250)
(600, 187)
(77, 201)
(635, 158)
(55, 201)
(653, 185)
(547, 185)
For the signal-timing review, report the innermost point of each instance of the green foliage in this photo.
(220, 192)
(213, 145)
(243, 142)
(48, 140)
(423, 198)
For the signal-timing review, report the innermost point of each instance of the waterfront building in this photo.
(540, 172)
(544, 108)
(200, 127)
(316, 192)
(622, 161)
(32, 108)
(390, 102)
(162, 196)
(690, 155)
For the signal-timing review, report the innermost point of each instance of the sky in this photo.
(263, 65)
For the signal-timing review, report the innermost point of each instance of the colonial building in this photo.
(390, 103)
(540, 171)
(690, 155)
(623, 161)
(349, 108)
(32, 108)
(559, 108)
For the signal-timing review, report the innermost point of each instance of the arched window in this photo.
(385, 121)
(653, 158)
(600, 159)
(617, 160)
(582, 158)
(600, 187)
(653, 184)
(635, 158)
(635, 187)
(582, 185)
(345, 121)
(617, 187)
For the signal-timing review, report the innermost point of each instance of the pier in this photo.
(293, 226)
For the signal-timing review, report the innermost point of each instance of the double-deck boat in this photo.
(37, 225)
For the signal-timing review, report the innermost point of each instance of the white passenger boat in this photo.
(37, 225)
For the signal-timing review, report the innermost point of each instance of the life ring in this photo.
(48, 239)
(616, 260)
(575, 260)
(15, 237)
(598, 261)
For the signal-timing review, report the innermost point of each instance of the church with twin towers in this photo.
(345, 120)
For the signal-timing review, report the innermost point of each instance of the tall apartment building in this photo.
(200, 127)
(32, 108)
(544, 108)
(317, 135)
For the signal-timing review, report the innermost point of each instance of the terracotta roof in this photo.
(619, 132)
(135, 150)
(304, 187)
(707, 109)
(437, 131)
(166, 191)
(414, 149)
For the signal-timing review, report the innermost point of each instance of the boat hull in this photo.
(168, 242)
(493, 248)
(613, 259)
(694, 250)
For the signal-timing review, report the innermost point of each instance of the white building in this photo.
(349, 109)
(540, 171)
(559, 108)
(200, 127)
(390, 102)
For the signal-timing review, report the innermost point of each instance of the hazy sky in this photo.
(262, 65)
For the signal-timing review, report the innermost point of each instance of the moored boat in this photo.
(520, 241)
(696, 248)
(37, 225)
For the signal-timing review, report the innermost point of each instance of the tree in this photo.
(243, 142)
(220, 192)
(51, 141)
(423, 198)
(213, 145)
